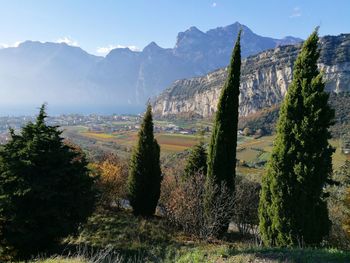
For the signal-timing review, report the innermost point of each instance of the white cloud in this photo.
(296, 12)
(107, 49)
(214, 4)
(68, 41)
(16, 44)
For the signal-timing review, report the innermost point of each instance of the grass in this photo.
(129, 235)
(59, 259)
(134, 239)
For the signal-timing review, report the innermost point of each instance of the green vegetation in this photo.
(222, 147)
(45, 190)
(197, 161)
(292, 208)
(152, 240)
(145, 174)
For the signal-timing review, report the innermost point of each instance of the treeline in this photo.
(48, 189)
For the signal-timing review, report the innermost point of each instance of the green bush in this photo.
(45, 189)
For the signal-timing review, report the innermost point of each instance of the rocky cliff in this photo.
(264, 80)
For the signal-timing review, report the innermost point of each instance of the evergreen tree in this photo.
(222, 148)
(145, 174)
(45, 189)
(292, 208)
(197, 161)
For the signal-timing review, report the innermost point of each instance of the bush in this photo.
(182, 202)
(339, 207)
(112, 183)
(246, 203)
(45, 189)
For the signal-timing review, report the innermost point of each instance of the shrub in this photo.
(112, 183)
(339, 208)
(45, 189)
(182, 202)
(197, 160)
(246, 203)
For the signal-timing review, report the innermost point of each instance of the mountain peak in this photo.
(188, 36)
(151, 47)
(193, 29)
(229, 29)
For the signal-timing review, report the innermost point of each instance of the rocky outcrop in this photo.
(264, 80)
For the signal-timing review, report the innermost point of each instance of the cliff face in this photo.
(264, 80)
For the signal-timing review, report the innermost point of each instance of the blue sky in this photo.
(98, 25)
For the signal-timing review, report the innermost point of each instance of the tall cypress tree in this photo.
(222, 148)
(292, 208)
(145, 174)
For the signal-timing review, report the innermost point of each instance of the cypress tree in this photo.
(45, 189)
(197, 161)
(222, 147)
(145, 174)
(292, 208)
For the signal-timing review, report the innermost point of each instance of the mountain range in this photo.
(265, 78)
(68, 77)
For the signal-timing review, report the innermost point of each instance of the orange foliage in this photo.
(113, 173)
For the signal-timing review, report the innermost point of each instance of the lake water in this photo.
(20, 110)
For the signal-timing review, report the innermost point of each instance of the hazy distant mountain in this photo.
(67, 76)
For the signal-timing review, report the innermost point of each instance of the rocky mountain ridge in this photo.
(264, 80)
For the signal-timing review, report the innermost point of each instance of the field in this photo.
(252, 152)
(168, 142)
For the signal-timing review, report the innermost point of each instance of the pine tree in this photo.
(145, 174)
(45, 189)
(197, 161)
(222, 148)
(292, 209)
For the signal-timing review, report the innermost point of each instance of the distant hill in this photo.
(264, 80)
(67, 76)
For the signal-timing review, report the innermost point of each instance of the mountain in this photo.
(67, 76)
(265, 79)
(36, 72)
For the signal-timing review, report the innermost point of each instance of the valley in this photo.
(164, 131)
(175, 142)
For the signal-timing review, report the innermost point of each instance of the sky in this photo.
(100, 25)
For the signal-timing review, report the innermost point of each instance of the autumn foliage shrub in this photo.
(112, 183)
(182, 203)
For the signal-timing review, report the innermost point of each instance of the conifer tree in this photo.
(45, 189)
(292, 208)
(197, 161)
(145, 173)
(222, 147)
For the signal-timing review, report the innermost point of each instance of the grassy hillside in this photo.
(120, 237)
